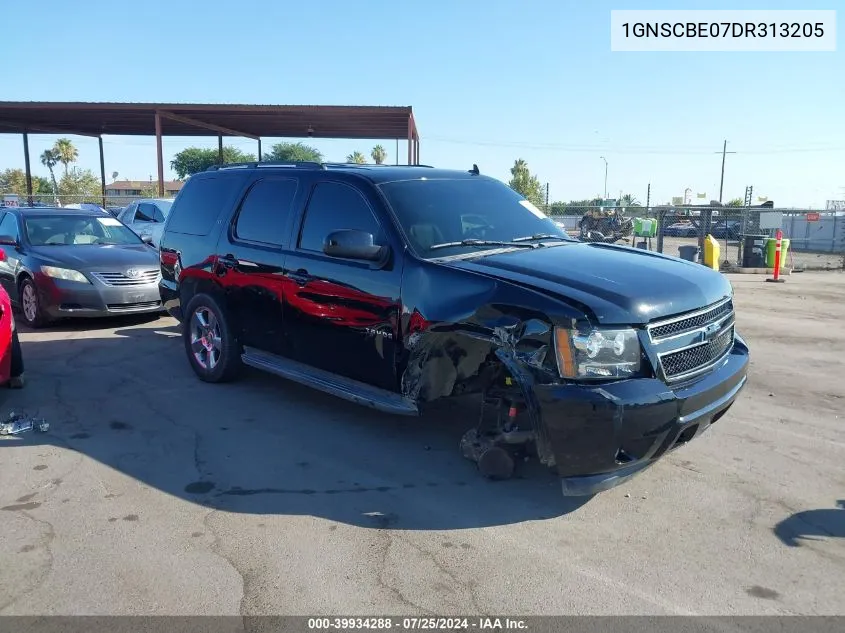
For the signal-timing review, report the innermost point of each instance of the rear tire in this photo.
(213, 350)
(31, 310)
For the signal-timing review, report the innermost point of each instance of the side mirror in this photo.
(147, 239)
(353, 244)
(8, 240)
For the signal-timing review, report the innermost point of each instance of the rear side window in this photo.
(333, 207)
(265, 212)
(200, 203)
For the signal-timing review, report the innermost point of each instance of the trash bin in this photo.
(689, 253)
(754, 251)
(770, 252)
(711, 252)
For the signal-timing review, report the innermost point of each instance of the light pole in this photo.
(605, 176)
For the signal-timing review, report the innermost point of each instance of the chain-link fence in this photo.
(816, 238)
(112, 202)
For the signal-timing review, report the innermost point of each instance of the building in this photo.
(125, 191)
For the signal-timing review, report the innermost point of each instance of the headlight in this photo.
(64, 273)
(597, 353)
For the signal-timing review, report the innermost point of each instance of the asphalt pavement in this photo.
(154, 493)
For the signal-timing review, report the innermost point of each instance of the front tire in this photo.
(31, 310)
(212, 347)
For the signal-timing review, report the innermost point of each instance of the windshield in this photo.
(436, 212)
(74, 230)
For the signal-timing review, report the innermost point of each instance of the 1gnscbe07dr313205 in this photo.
(393, 287)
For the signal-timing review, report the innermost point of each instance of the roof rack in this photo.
(372, 165)
(269, 163)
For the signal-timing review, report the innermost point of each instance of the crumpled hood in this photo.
(98, 256)
(618, 284)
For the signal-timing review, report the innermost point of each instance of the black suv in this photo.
(393, 286)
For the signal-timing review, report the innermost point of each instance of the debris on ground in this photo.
(18, 423)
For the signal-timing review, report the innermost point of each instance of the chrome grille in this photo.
(690, 322)
(122, 280)
(693, 360)
(693, 343)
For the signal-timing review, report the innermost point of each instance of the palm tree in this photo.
(379, 154)
(356, 157)
(629, 200)
(49, 158)
(66, 152)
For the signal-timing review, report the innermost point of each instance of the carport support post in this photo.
(102, 171)
(410, 139)
(220, 149)
(159, 156)
(259, 150)
(27, 167)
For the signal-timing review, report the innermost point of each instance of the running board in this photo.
(340, 386)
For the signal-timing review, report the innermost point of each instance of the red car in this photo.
(11, 358)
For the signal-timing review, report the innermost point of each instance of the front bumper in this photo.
(61, 299)
(601, 436)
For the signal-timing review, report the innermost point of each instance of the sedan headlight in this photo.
(65, 274)
(594, 354)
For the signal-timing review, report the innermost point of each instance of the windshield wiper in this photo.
(481, 243)
(541, 236)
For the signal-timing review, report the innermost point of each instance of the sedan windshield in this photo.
(75, 230)
(455, 216)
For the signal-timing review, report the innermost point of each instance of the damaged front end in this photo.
(590, 402)
(499, 355)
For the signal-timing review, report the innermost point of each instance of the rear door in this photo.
(251, 255)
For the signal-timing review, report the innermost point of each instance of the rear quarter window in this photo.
(201, 201)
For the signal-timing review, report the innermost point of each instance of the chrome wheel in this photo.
(206, 341)
(30, 302)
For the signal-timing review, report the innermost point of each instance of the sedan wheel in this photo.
(31, 308)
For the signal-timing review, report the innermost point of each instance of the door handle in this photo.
(300, 276)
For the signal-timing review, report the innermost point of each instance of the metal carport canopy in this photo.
(188, 119)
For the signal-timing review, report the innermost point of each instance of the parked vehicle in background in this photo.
(681, 229)
(726, 230)
(11, 355)
(147, 217)
(396, 286)
(74, 263)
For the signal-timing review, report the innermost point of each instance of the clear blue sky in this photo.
(489, 82)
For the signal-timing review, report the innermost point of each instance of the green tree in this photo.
(192, 160)
(66, 152)
(356, 157)
(294, 153)
(526, 185)
(379, 154)
(49, 158)
(80, 185)
(736, 202)
(629, 200)
(14, 181)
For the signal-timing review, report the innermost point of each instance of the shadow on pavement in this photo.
(262, 445)
(812, 525)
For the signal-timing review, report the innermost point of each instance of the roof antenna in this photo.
(474, 171)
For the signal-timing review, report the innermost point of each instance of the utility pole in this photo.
(648, 198)
(605, 176)
(722, 183)
(547, 197)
